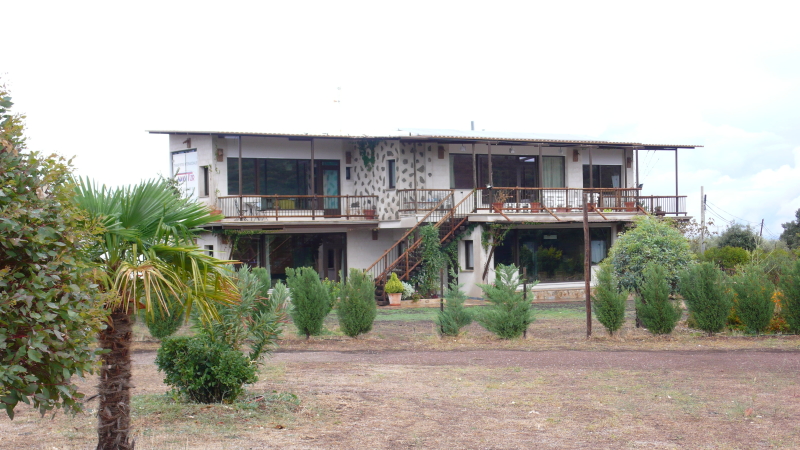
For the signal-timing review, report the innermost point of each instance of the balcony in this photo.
(298, 207)
(545, 201)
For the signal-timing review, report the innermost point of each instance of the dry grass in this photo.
(401, 386)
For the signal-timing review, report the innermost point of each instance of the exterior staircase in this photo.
(404, 257)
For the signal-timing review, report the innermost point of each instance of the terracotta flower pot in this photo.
(630, 206)
(536, 207)
(497, 207)
(394, 299)
(369, 214)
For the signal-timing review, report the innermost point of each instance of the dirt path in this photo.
(512, 399)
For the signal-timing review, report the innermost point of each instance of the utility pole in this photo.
(761, 233)
(702, 221)
(587, 267)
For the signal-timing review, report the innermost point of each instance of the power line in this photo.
(726, 212)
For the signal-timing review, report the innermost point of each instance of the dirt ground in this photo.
(401, 386)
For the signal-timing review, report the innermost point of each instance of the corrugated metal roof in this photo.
(421, 137)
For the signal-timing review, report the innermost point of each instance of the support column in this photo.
(474, 168)
(491, 178)
(313, 171)
(241, 211)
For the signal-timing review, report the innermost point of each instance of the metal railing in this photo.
(269, 207)
(422, 200)
(535, 200)
(664, 204)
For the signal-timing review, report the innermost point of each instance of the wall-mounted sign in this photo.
(550, 236)
(184, 169)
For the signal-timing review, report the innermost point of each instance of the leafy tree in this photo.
(608, 302)
(740, 236)
(146, 253)
(754, 304)
(657, 312)
(454, 317)
(653, 240)
(790, 290)
(48, 312)
(357, 309)
(791, 231)
(310, 300)
(708, 296)
(433, 260)
(510, 313)
(12, 126)
(727, 258)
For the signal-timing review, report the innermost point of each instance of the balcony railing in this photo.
(423, 200)
(276, 207)
(555, 200)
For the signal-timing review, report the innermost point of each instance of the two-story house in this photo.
(340, 202)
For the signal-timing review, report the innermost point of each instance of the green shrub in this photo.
(656, 311)
(164, 322)
(454, 317)
(727, 258)
(510, 313)
(740, 236)
(608, 302)
(204, 371)
(310, 300)
(653, 240)
(433, 260)
(357, 309)
(790, 296)
(394, 286)
(708, 296)
(253, 319)
(754, 304)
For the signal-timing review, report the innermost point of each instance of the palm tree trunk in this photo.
(114, 419)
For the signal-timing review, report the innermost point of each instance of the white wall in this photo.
(469, 278)
(362, 251)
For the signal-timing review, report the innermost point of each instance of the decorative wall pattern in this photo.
(411, 161)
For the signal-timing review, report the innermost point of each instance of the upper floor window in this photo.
(392, 173)
(602, 176)
(553, 171)
(461, 171)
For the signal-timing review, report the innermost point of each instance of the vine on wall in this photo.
(366, 148)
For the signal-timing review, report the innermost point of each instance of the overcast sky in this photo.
(726, 75)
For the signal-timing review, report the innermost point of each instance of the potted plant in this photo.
(630, 206)
(394, 289)
(500, 198)
(369, 211)
(536, 204)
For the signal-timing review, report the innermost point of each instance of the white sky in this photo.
(92, 76)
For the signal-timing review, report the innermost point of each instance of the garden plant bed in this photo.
(401, 386)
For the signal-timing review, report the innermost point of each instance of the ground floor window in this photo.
(552, 255)
(277, 252)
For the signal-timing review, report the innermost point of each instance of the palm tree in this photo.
(146, 255)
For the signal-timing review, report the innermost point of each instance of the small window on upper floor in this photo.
(204, 181)
(392, 174)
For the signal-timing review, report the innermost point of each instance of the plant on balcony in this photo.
(366, 148)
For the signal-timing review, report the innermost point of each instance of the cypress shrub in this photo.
(454, 317)
(754, 304)
(608, 302)
(708, 296)
(356, 308)
(510, 312)
(790, 288)
(310, 300)
(658, 314)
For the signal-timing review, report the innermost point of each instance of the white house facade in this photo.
(341, 202)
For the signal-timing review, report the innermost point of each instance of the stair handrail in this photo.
(407, 233)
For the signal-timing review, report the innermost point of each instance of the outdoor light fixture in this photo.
(463, 148)
(488, 186)
(510, 149)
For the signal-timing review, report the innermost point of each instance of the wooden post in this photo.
(441, 296)
(525, 295)
(241, 211)
(587, 268)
